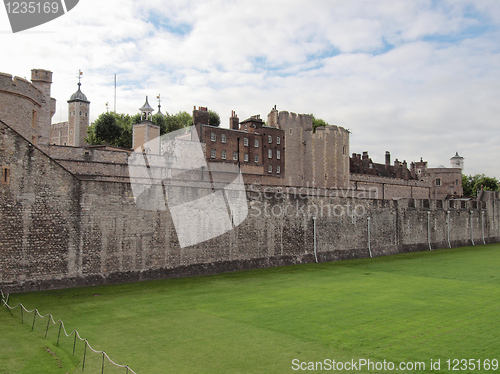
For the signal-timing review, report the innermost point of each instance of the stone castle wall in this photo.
(320, 157)
(389, 188)
(19, 100)
(27, 106)
(62, 231)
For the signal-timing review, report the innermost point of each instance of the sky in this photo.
(418, 78)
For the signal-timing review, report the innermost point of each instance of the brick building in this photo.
(256, 148)
(397, 180)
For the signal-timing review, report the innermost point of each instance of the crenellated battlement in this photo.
(20, 87)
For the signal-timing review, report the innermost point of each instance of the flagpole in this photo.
(115, 93)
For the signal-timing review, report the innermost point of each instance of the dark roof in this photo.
(78, 96)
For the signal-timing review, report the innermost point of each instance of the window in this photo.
(213, 137)
(235, 156)
(256, 143)
(278, 169)
(212, 153)
(438, 182)
(223, 138)
(270, 168)
(269, 153)
(245, 142)
(34, 119)
(278, 155)
(86, 114)
(256, 159)
(223, 155)
(5, 175)
(245, 157)
(456, 182)
(269, 139)
(278, 140)
(80, 112)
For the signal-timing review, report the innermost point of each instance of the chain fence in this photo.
(30, 317)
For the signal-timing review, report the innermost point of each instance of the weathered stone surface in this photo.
(61, 231)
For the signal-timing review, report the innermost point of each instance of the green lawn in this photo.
(423, 306)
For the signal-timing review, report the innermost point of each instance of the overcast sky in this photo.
(416, 78)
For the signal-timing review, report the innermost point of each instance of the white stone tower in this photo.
(79, 109)
(457, 162)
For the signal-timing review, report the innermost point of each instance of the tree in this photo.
(117, 128)
(185, 118)
(213, 118)
(472, 184)
(317, 122)
(105, 130)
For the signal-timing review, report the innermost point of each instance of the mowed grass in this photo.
(423, 306)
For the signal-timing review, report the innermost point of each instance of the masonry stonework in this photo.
(60, 230)
(27, 106)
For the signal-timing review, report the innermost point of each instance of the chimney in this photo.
(387, 159)
(272, 118)
(234, 121)
(365, 155)
(200, 116)
(405, 170)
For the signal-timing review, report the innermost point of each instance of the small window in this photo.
(269, 139)
(245, 157)
(278, 169)
(438, 182)
(269, 153)
(34, 119)
(212, 153)
(223, 138)
(256, 143)
(456, 182)
(213, 137)
(290, 131)
(223, 155)
(270, 168)
(80, 112)
(256, 159)
(278, 140)
(235, 156)
(245, 142)
(278, 155)
(5, 175)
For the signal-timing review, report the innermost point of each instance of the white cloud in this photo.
(418, 78)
